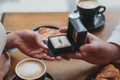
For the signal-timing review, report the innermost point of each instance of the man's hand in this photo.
(95, 50)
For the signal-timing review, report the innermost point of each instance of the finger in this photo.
(84, 55)
(49, 58)
(71, 56)
(39, 41)
(37, 51)
(89, 58)
(63, 30)
(58, 58)
(88, 48)
(44, 56)
(90, 38)
(66, 57)
(8, 58)
(75, 56)
(39, 56)
(6, 54)
(78, 56)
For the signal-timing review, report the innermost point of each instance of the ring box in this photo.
(70, 42)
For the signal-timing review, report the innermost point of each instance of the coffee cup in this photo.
(30, 69)
(88, 9)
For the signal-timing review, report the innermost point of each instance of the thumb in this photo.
(39, 41)
(9, 58)
(92, 38)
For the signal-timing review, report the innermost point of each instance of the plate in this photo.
(47, 33)
(46, 26)
(91, 76)
(48, 77)
(107, 68)
(99, 20)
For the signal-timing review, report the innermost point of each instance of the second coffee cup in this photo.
(88, 10)
(30, 69)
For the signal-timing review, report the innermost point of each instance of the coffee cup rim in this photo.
(78, 5)
(31, 59)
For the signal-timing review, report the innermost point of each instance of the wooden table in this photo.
(60, 70)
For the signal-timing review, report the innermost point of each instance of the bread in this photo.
(109, 72)
(47, 32)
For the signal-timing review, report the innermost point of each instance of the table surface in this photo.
(60, 70)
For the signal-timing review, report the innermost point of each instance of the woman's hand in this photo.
(4, 65)
(31, 43)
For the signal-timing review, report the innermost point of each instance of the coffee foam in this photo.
(88, 4)
(30, 69)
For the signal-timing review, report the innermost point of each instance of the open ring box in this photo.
(70, 42)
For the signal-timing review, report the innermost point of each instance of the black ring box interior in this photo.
(76, 35)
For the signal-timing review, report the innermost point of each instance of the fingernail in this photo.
(79, 55)
(45, 46)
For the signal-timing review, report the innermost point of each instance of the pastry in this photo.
(109, 72)
(47, 32)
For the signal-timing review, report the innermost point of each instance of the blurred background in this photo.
(48, 5)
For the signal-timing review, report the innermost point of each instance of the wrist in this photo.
(1, 76)
(10, 40)
(116, 51)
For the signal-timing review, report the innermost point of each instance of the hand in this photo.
(97, 51)
(30, 43)
(4, 64)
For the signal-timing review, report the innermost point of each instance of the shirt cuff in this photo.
(115, 38)
(12, 49)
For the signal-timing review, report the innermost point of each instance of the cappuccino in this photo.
(88, 4)
(30, 69)
(88, 10)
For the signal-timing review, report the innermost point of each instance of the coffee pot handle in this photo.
(101, 9)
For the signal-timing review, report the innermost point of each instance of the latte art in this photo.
(88, 4)
(30, 69)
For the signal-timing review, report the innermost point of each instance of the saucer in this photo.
(99, 20)
(48, 77)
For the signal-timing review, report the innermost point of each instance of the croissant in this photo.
(109, 72)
